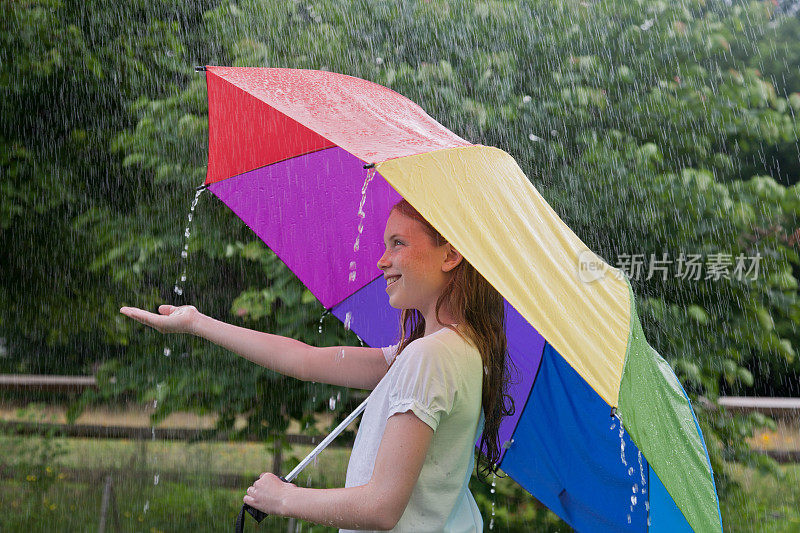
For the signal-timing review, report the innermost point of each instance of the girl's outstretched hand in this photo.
(170, 320)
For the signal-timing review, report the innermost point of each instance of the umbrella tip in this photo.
(613, 412)
(201, 187)
(371, 165)
(200, 68)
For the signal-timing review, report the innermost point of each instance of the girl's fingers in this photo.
(145, 317)
(135, 313)
(132, 312)
(169, 319)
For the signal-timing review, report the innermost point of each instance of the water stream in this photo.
(178, 289)
(637, 490)
(493, 492)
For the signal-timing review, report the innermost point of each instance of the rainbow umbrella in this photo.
(603, 434)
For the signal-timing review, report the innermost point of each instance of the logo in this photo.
(590, 267)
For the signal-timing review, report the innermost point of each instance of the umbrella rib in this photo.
(527, 399)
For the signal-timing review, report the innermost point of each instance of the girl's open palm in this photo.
(170, 320)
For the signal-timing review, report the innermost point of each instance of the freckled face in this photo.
(412, 255)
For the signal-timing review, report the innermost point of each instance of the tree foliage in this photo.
(651, 127)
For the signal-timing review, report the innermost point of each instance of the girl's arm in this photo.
(377, 505)
(348, 366)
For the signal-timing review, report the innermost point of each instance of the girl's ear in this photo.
(452, 259)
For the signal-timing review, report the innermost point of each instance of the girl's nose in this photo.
(383, 262)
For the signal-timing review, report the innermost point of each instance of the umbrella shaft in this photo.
(327, 440)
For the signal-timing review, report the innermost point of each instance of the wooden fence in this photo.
(779, 408)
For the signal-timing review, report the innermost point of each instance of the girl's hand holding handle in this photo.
(169, 319)
(267, 494)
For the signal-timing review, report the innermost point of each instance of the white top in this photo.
(439, 378)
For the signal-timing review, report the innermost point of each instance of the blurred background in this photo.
(657, 130)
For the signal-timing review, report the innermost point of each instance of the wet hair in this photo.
(479, 309)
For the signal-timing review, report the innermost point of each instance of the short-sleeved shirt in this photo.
(439, 378)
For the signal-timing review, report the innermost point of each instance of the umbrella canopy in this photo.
(287, 153)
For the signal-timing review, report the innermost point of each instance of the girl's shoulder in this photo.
(446, 346)
(442, 338)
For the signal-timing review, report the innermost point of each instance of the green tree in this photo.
(651, 127)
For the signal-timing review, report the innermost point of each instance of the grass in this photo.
(41, 491)
(47, 481)
(763, 503)
(246, 458)
(71, 506)
(60, 482)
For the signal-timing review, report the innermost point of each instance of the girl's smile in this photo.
(390, 280)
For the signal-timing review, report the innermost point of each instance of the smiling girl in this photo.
(435, 392)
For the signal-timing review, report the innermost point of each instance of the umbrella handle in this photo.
(260, 515)
(255, 513)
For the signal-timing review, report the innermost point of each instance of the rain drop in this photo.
(641, 471)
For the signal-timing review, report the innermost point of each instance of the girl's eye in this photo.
(396, 241)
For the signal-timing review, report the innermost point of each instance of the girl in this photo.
(435, 392)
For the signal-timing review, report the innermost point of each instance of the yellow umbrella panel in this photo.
(567, 449)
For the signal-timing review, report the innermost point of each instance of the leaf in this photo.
(764, 318)
(697, 314)
(745, 376)
(786, 349)
(784, 281)
(689, 370)
(308, 297)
